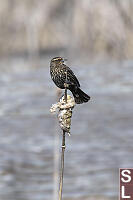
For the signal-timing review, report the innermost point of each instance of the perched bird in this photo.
(63, 77)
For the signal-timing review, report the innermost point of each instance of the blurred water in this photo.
(102, 131)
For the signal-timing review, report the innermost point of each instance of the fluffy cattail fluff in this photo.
(64, 112)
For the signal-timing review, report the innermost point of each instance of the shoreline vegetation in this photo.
(93, 27)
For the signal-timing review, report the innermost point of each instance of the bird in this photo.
(63, 77)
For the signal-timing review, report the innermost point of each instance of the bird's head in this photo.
(58, 60)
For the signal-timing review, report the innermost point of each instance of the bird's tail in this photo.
(80, 96)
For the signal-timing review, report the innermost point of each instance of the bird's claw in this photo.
(66, 85)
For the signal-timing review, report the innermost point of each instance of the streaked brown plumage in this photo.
(58, 72)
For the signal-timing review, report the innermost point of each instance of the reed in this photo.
(62, 154)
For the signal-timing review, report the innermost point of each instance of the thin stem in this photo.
(66, 95)
(66, 89)
(63, 150)
(62, 166)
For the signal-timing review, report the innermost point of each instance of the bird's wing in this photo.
(72, 76)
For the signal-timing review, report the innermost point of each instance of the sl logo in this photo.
(126, 184)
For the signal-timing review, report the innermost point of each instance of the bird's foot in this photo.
(66, 85)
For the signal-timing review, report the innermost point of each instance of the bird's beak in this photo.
(64, 59)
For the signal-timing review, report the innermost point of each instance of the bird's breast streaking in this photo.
(61, 74)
